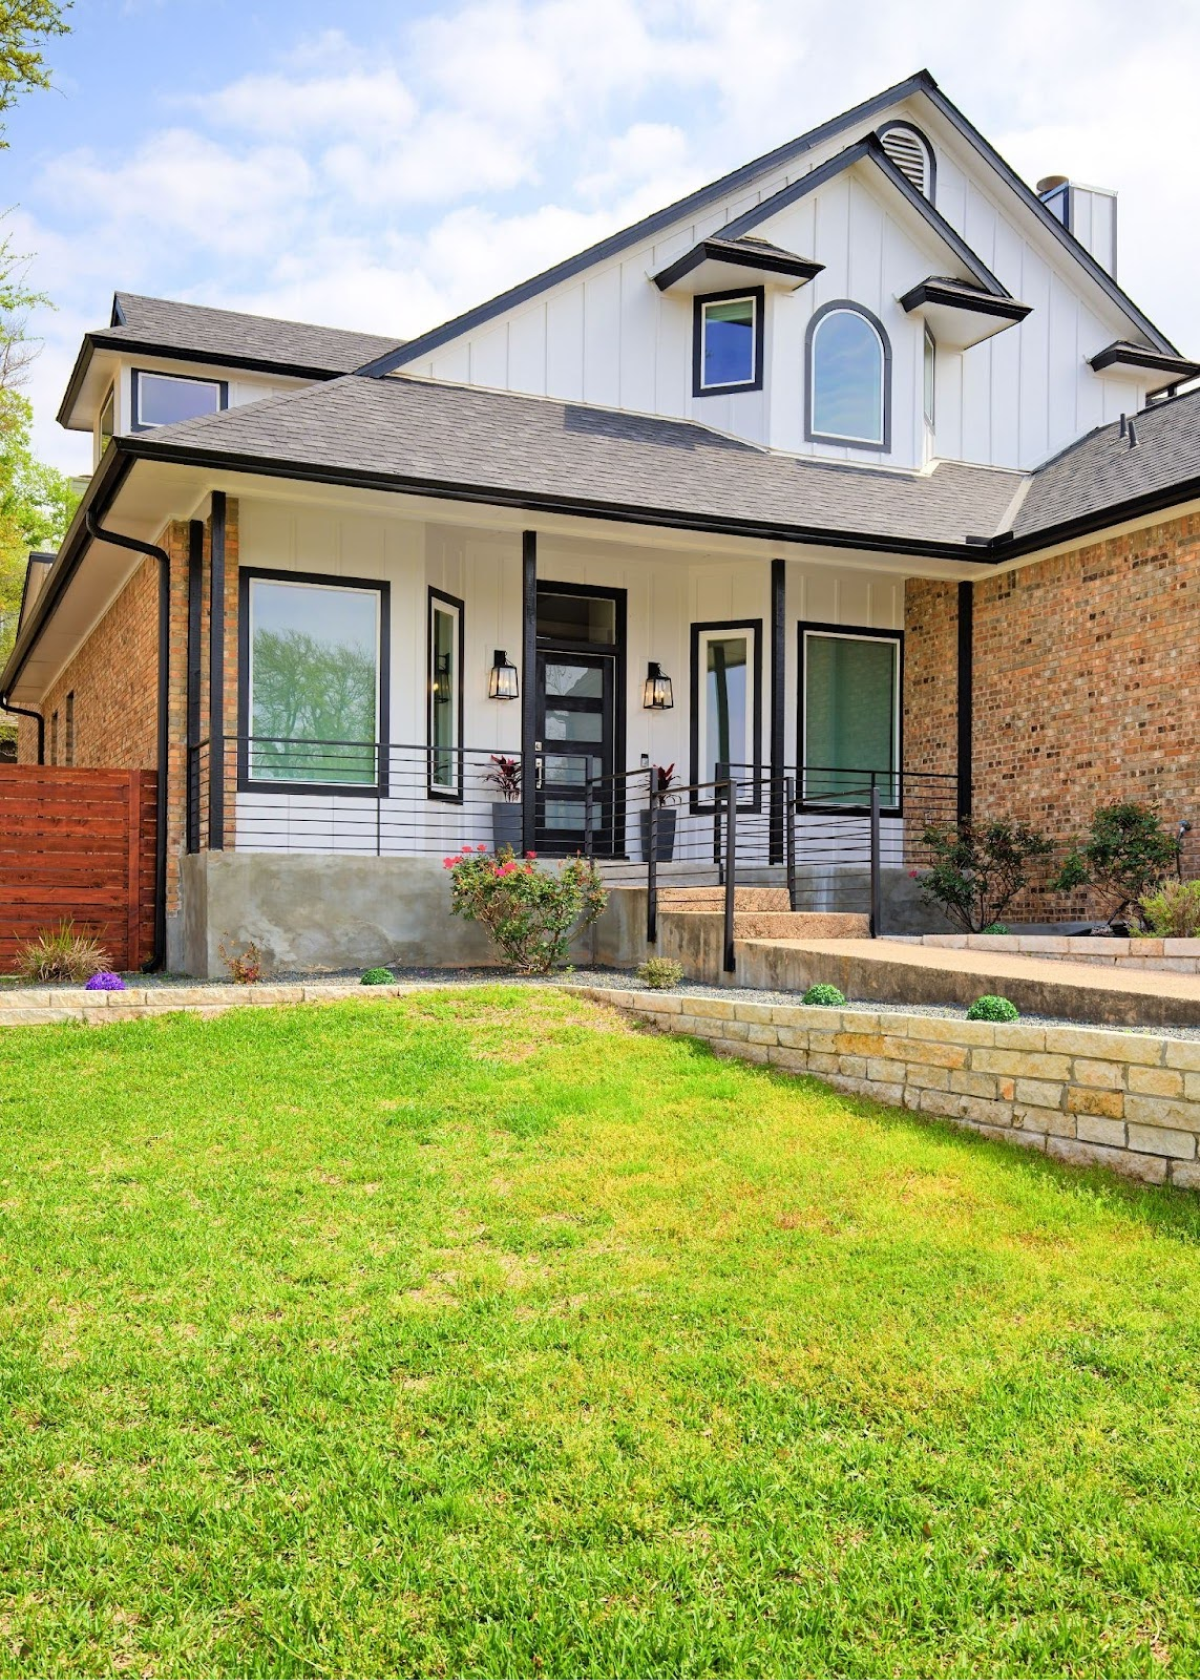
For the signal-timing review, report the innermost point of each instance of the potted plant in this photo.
(663, 779)
(505, 775)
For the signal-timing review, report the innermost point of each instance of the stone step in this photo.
(798, 925)
(764, 899)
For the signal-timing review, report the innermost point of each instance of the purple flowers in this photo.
(105, 981)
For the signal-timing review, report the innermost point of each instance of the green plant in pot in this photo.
(505, 777)
(662, 800)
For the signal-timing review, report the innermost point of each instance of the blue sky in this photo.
(384, 165)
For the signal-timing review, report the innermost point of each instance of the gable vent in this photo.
(909, 151)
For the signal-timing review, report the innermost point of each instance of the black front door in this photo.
(576, 733)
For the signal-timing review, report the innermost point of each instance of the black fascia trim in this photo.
(1065, 237)
(811, 435)
(758, 295)
(930, 155)
(728, 251)
(434, 790)
(145, 447)
(856, 632)
(138, 374)
(869, 148)
(921, 81)
(755, 627)
(984, 303)
(326, 580)
(1132, 355)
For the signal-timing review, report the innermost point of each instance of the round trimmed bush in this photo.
(827, 996)
(989, 1008)
(104, 980)
(378, 977)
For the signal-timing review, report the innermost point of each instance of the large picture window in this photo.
(445, 686)
(727, 706)
(850, 715)
(313, 668)
(847, 374)
(160, 399)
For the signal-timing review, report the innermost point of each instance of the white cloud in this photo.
(280, 106)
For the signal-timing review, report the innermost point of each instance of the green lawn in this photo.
(483, 1334)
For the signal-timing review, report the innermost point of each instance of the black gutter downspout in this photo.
(966, 694)
(778, 707)
(6, 705)
(529, 743)
(98, 534)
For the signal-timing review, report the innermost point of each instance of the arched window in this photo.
(848, 378)
(912, 154)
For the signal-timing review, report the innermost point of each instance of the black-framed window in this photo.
(727, 342)
(850, 714)
(848, 378)
(726, 707)
(69, 733)
(929, 378)
(313, 682)
(162, 399)
(445, 693)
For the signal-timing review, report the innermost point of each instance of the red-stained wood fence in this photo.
(77, 845)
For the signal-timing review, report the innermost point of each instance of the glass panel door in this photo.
(575, 735)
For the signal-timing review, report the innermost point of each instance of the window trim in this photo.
(811, 434)
(927, 147)
(848, 632)
(757, 295)
(438, 598)
(137, 374)
(110, 398)
(929, 343)
(248, 575)
(754, 630)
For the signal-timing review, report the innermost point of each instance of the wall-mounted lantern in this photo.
(657, 694)
(502, 678)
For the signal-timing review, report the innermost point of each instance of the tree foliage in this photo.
(36, 504)
(25, 28)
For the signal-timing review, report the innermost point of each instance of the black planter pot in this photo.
(666, 835)
(507, 822)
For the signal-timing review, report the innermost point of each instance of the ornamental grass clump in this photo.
(531, 914)
(377, 977)
(825, 996)
(989, 1008)
(62, 955)
(1173, 912)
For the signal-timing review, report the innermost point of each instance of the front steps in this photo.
(691, 925)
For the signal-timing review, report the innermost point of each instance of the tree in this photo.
(36, 504)
(25, 28)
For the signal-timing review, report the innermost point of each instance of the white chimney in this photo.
(1090, 213)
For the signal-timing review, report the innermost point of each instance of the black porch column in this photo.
(216, 674)
(195, 667)
(778, 704)
(529, 752)
(966, 701)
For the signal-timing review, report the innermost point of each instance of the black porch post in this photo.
(778, 703)
(195, 666)
(966, 661)
(216, 674)
(528, 690)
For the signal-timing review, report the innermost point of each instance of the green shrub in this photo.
(531, 914)
(978, 868)
(997, 928)
(62, 954)
(1173, 912)
(661, 974)
(1125, 858)
(827, 996)
(377, 977)
(989, 1008)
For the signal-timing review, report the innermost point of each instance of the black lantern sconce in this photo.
(502, 678)
(657, 694)
(441, 680)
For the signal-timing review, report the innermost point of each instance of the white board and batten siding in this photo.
(607, 336)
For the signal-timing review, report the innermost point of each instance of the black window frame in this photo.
(137, 374)
(247, 575)
(757, 295)
(754, 628)
(436, 790)
(811, 435)
(861, 632)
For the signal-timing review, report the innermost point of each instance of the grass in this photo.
(483, 1334)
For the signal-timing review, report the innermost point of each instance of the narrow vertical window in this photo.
(727, 349)
(445, 696)
(108, 420)
(54, 737)
(69, 755)
(727, 706)
(848, 376)
(930, 370)
(850, 716)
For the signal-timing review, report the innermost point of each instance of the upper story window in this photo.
(929, 379)
(848, 369)
(160, 399)
(727, 349)
(912, 154)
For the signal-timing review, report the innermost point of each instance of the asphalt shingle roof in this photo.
(224, 334)
(429, 432)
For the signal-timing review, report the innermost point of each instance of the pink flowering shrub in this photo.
(531, 914)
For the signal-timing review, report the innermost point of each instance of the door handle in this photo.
(539, 765)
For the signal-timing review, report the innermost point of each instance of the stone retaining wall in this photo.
(1163, 956)
(1128, 1101)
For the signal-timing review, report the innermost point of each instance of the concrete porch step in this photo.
(761, 899)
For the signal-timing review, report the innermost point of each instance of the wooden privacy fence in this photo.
(77, 845)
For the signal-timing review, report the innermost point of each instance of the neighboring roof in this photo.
(1116, 467)
(193, 332)
(460, 441)
(746, 253)
(920, 83)
(36, 568)
(1124, 354)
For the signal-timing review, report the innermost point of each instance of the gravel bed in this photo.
(616, 979)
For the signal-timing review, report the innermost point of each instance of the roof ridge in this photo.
(244, 315)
